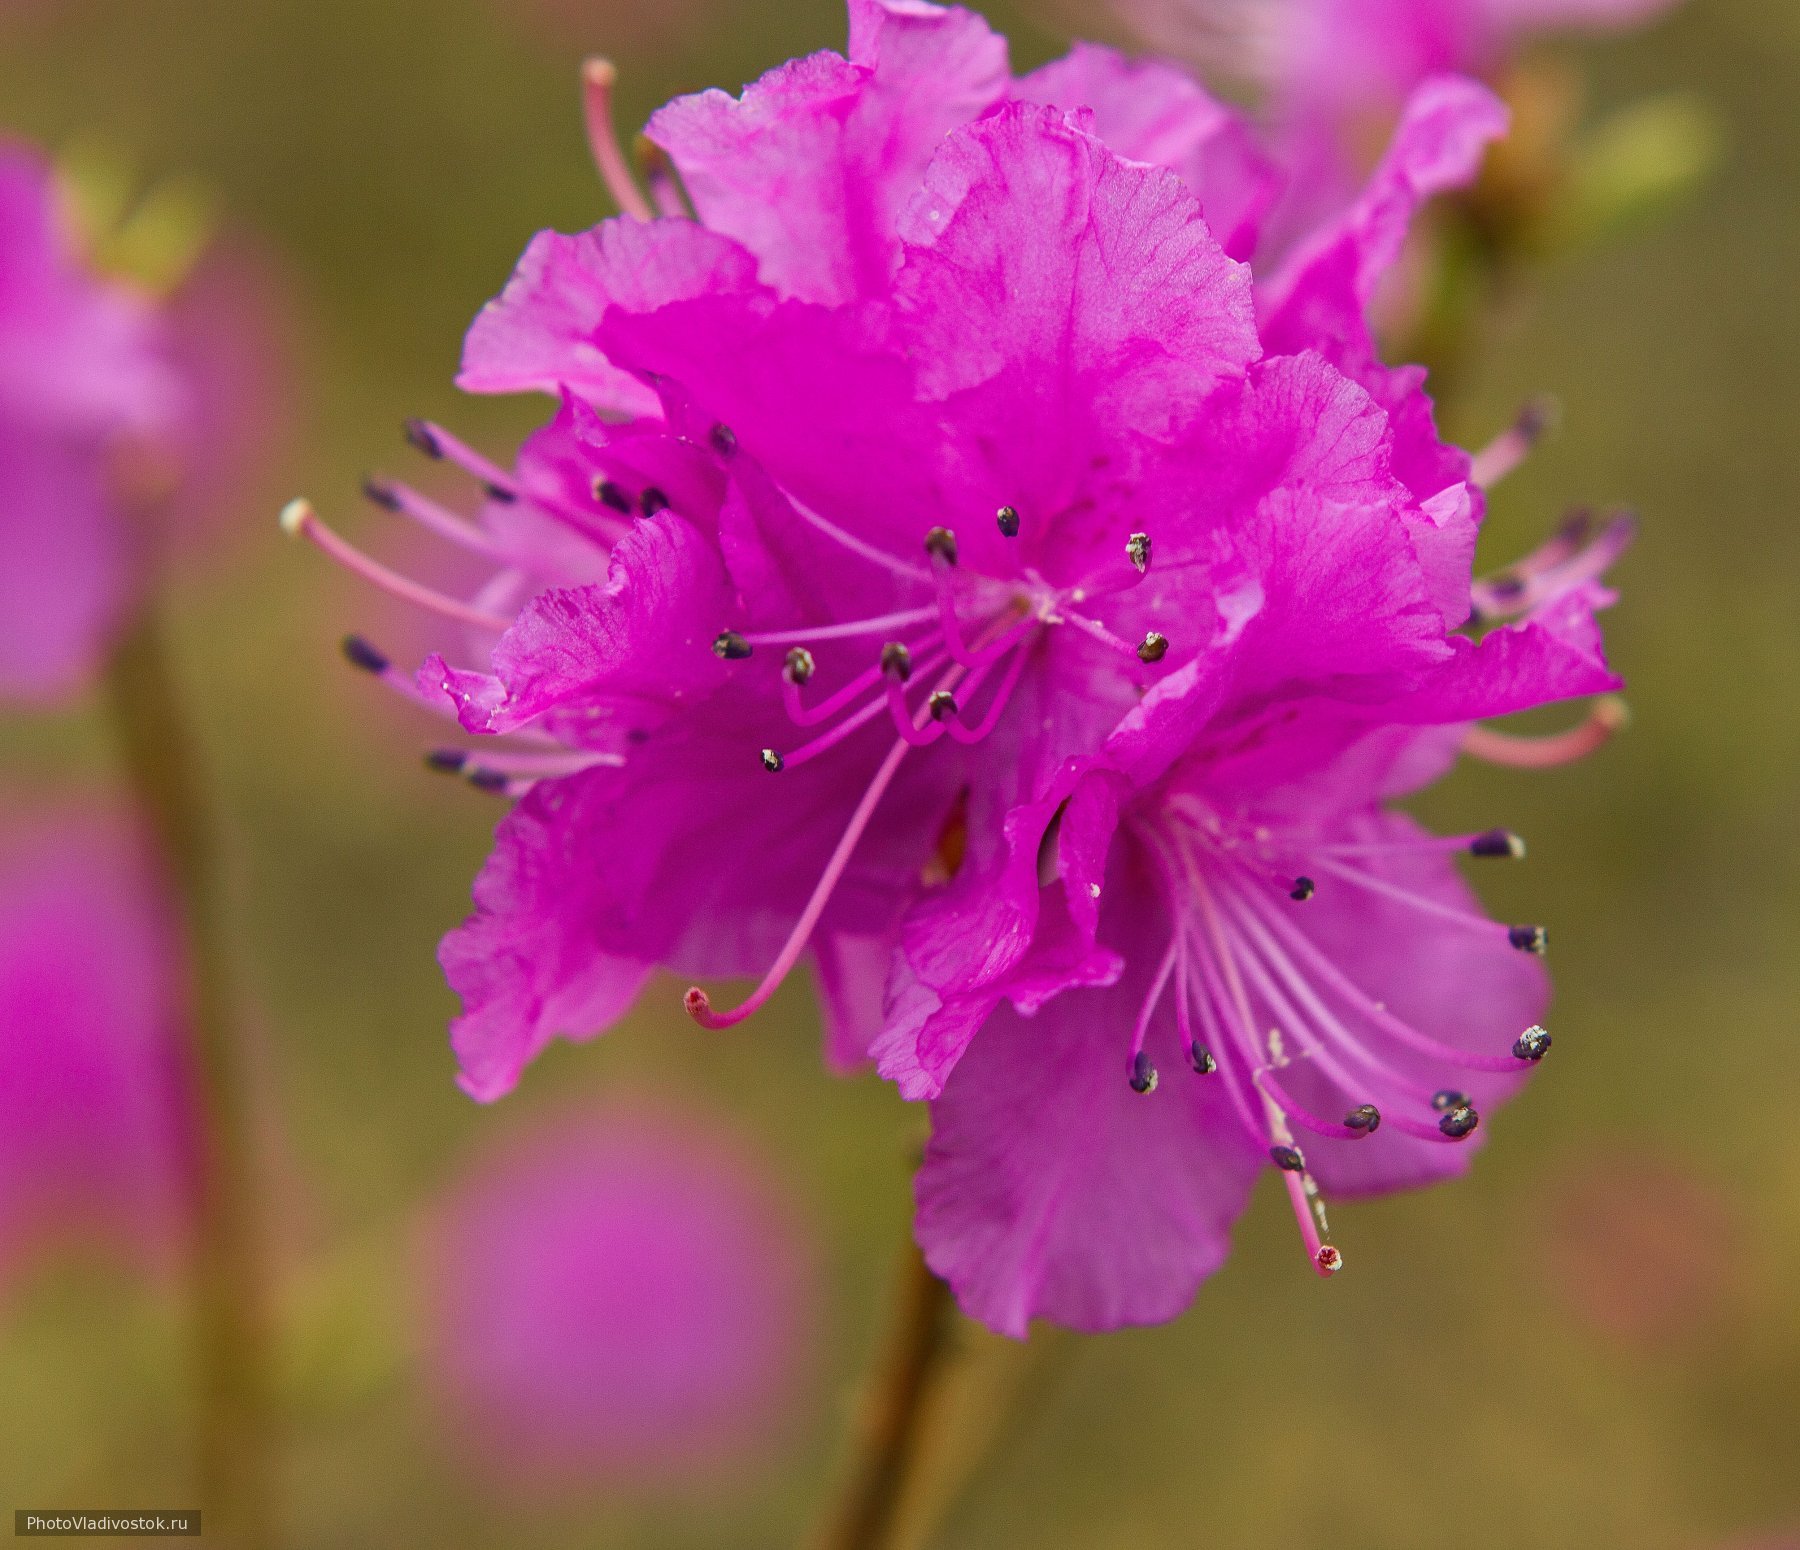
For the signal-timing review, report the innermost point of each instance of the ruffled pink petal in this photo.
(1556, 654)
(1319, 298)
(1034, 250)
(1051, 1189)
(809, 168)
(1149, 111)
(601, 662)
(538, 335)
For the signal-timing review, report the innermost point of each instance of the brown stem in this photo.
(156, 748)
(863, 1518)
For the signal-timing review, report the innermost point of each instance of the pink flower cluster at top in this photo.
(963, 561)
(612, 1296)
(1324, 58)
(127, 425)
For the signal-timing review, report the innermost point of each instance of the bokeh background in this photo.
(1593, 1341)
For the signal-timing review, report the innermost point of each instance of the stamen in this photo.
(1287, 1158)
(799, 666)
(1448, 1098)
(422, 435)
(1568, 561)
(699, 1006)
(942, 705)
(861, 718)
(1498, 843)
(1266, 969)
(1529, 939)
(1143, 1075)
(724, 440)
(1459, 1122)
(1516, 751)
(1513, 445)
(910, 731)
(730, 646)
(974, 734)
(652, 501)
(849, 541)
(1008, 519)
(610, 494)
(1429, 906)
(1141, 1028)
(598, 78)
(299, 520)
(1290, 1106)
(359, 653)
(940, 544)
(1106, 637)
(1259, 914)
(1309, 1211)
(773, 762)
(547, 766)
(658, 175)
(896, 662)
(1365, 1117)
(946, 606)
(1154, 648)
(1491, 842)
(437, 443)
(846, 631)
(1201, 1059)
(1137, 550)
(832, 704)
(1533, 1044)
(407, 502)
(1304, 888)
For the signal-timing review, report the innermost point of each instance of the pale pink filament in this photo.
(300, 520)
(1519, 752)
(598, 77)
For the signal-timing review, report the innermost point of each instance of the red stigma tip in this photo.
(1328, 1260)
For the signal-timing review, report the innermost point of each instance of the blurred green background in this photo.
(1591, 1342)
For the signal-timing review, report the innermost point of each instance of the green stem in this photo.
(864, 1517)
(156, 748)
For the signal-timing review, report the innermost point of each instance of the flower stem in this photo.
(156, 748)
(864, 1516)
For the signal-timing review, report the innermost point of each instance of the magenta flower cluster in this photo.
(129, 424)
(965, 562)
(621, 1296)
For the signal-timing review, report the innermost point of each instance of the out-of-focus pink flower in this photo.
(83, 369)
(96, 1141)
(124, 422)
(1336, 57)
(615, 1295)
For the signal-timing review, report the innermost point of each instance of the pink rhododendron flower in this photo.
(1022, 610)
(615, 1295)
(125, 425)
(1331, 58)
(96, 1139)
